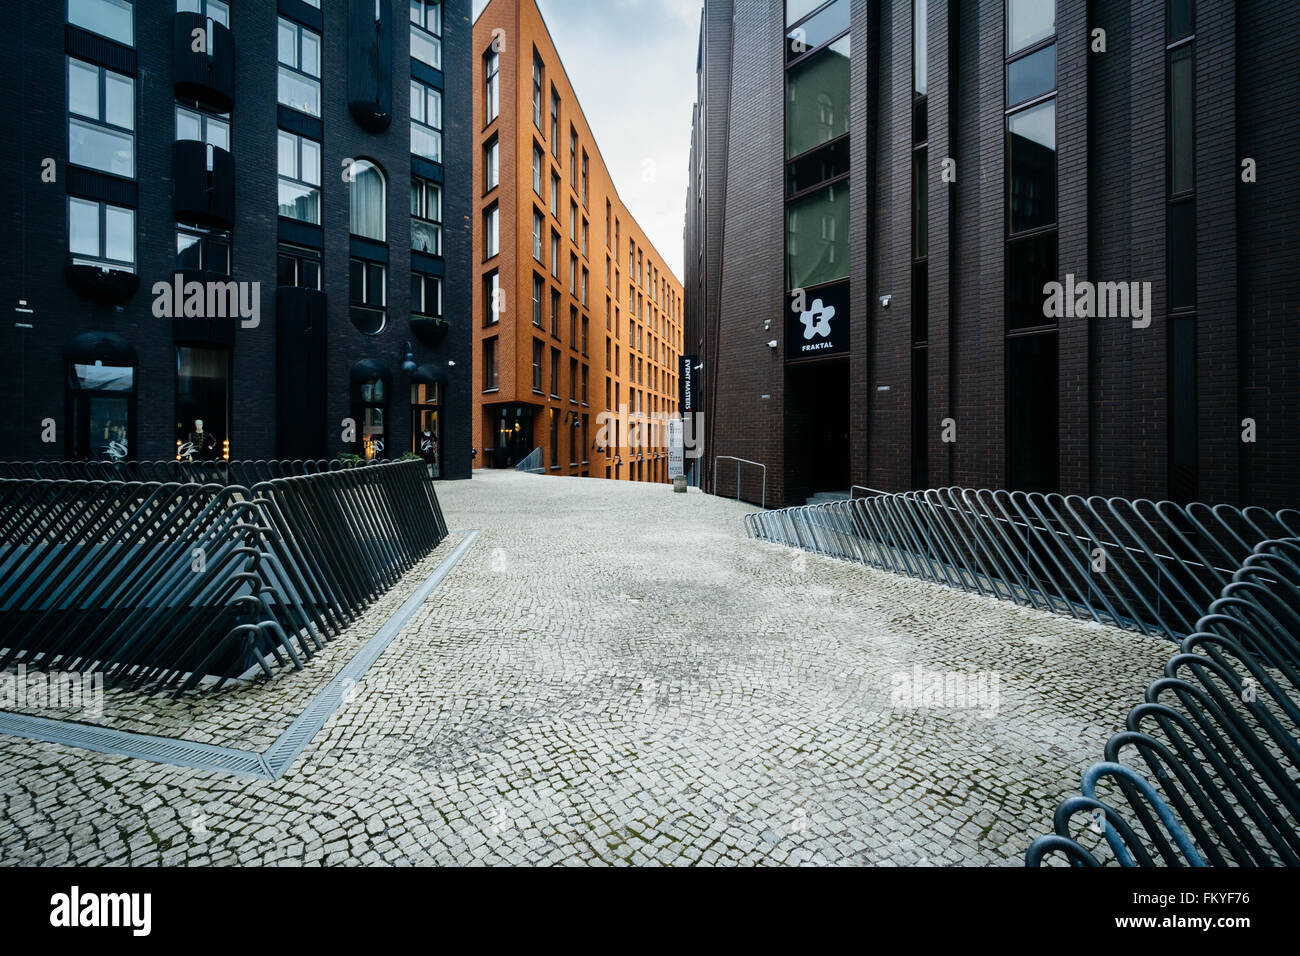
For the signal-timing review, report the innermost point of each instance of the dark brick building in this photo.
(928, 168)
(313, 155)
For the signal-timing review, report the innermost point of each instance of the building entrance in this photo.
(817, 397)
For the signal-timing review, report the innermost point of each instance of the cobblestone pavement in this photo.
(614, 674)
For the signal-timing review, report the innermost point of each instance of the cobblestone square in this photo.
(614, 675)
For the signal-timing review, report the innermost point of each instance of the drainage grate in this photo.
(282, 753)
(168, 750)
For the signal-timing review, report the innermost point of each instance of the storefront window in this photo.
(101, 398)
(202, 403)
(426, 437)
(373, 402)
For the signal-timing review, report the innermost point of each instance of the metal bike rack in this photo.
(1219, 735)
(159, 574)
(1142, 565)
(739, 462)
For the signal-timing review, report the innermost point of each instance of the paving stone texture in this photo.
(614, 675)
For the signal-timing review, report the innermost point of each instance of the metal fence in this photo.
(1148, 566)
(158, 582)
(1218, 737)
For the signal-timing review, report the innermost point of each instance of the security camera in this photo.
(772, 344)
(885, 300)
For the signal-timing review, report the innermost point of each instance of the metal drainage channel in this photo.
(244, 763)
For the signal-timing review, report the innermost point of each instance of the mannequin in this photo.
(201, 442)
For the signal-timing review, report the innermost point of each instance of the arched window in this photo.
(367, 190)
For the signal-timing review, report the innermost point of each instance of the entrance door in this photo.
(817, 427)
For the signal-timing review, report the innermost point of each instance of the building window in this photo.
(426, 295)
(491, 165)
(370, 408)
(555, 124)
(203, 128)
(583, 288)
(573, 274)
(299, 86)
(538, 350)
(817, 98)
(573, 380)
(573, 157)
(299, 162)
(539, 226)
(297, 267)
(367, 201)
(555, 438)
(585, 231)
(584, 334)
(539, 291)
(491, 83)
(585, 165)
(555, 254)
(426, 216)
(537, 169)
(426, 121)
(555, 373)
(369, 299)
(537, 90)
(490, 377)
(426, 30)
(555, 314)
(101, 119)
(101, 235)
(202, 409)
(1182, 123)
(426, 433)
(1029, 22)
(573, 327)
(110, 18)
(491, 235)
(555, 195)
(817, 237)
(493, 304)
(100, 400)
(585, 376)
(202, 251)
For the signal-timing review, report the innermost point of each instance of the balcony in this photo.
(429, 330)
(203, 191)
(101, 283)
(205, 76)
(370, 65)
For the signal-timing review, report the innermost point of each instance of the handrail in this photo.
(739, 462)
(534, 464)
(873, 491)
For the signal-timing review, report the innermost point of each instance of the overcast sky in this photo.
(632, 63)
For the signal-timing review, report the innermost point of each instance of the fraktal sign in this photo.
(817, 322)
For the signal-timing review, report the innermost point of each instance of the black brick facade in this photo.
(35, 240)
(1113, 391)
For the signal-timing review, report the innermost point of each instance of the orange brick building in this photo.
(576, 314)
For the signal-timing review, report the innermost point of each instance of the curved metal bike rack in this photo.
(159, 574)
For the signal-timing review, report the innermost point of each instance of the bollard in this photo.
(679, 485)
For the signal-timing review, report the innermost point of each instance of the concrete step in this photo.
(821, 497)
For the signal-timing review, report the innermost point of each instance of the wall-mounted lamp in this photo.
(885, 300)
(408, 364)
(772, 345)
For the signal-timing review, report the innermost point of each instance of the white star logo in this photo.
(817, 320)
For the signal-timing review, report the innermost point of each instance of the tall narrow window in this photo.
(300, 171)
(426, 295)
(491, 84)
(299, 53)
(426, 216)
(538, 350)
(491, 380)
(539, 226)
(1031, 250)
(538, 161)
(555, 124)
(101, 119)
(1181, 258)
(426, 32)
(369, 295)
(539, 292)
(491, 165)
(492, 298)
(537, 90)
(491, 237)
(367, 201)
(426, 121)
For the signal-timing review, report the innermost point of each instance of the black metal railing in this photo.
(159, 574)
(1218, 735)
(1143, 565)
